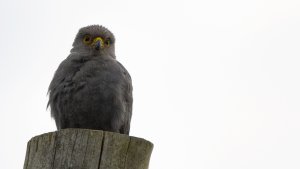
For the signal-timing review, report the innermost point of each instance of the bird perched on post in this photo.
(91, 89)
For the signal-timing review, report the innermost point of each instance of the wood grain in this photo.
(87, 149)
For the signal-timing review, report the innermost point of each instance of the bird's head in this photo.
(96, 40)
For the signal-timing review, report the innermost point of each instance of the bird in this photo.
(90, 89)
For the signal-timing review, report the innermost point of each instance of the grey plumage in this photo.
(91, 89)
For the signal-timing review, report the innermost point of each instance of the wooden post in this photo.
(87, 149)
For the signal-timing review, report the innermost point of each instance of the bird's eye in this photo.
(108, 42)
(87, 39)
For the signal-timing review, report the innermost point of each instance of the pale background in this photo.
(216, 83)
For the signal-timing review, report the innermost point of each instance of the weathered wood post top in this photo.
(87, 149)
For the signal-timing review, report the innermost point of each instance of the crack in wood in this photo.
(125, 162)
(102, 145)
(54, 153)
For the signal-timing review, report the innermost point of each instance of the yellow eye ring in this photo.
(107, 42)
(87, 39)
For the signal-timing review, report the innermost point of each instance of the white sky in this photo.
(216, 83)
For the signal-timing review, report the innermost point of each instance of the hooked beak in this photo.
(98, 43)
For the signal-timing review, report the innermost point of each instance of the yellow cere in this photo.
(99, 39)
